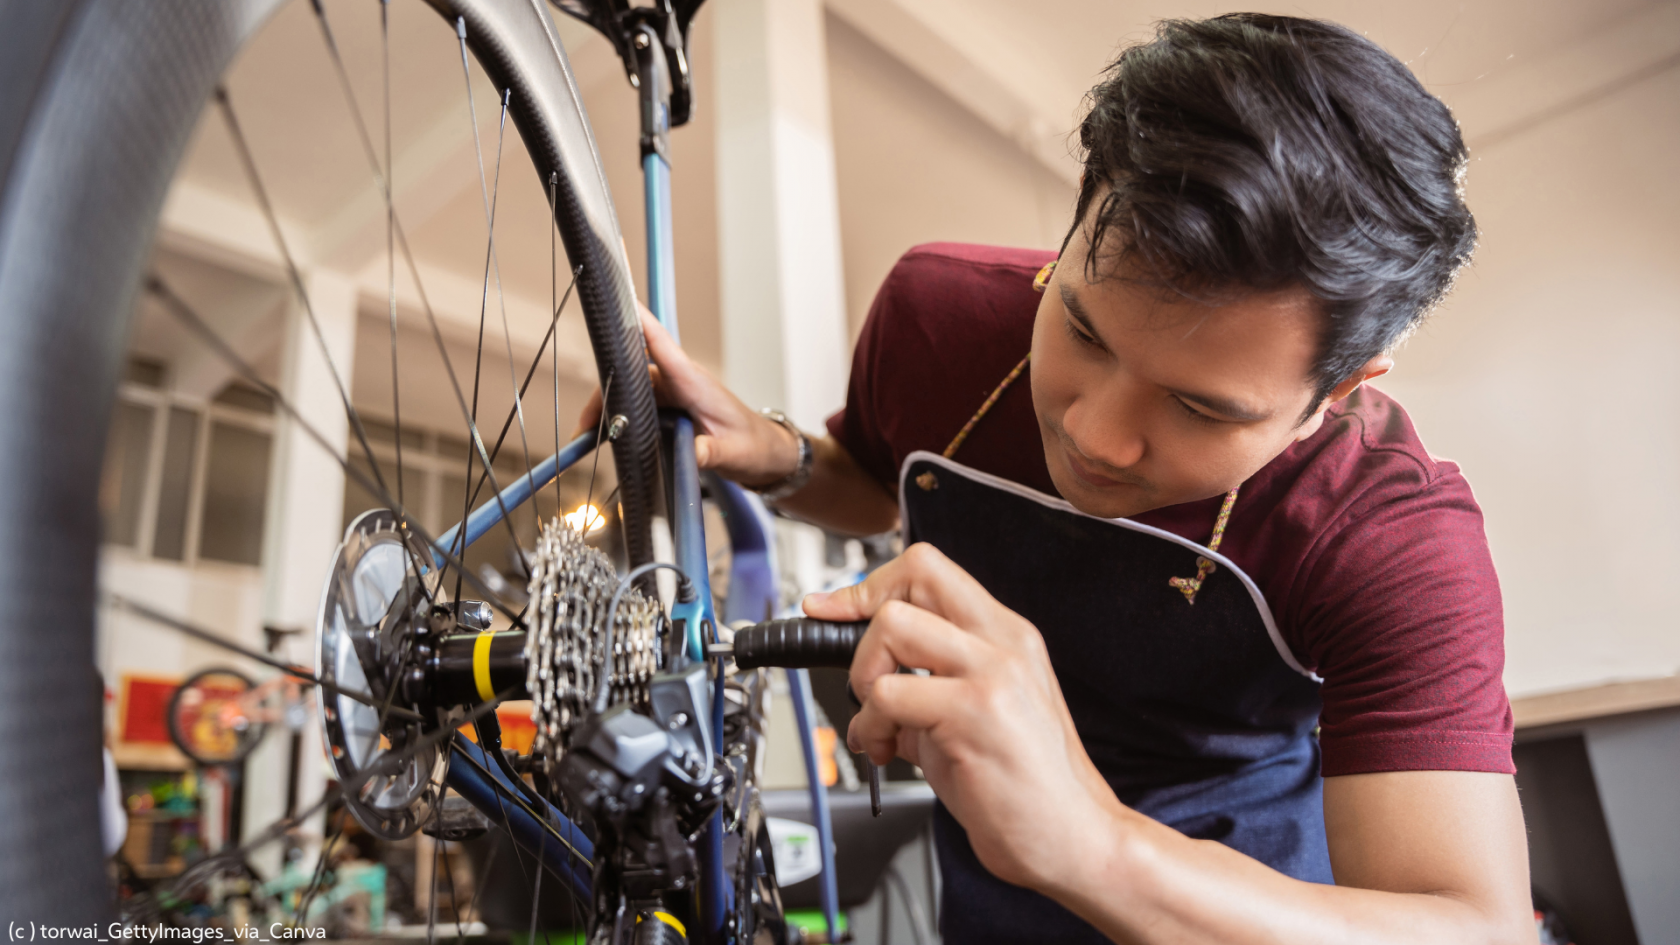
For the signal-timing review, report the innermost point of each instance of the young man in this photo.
(1215, 642)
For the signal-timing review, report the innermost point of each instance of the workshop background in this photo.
(828, 138)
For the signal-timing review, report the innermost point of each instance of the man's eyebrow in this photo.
(1222, 406)
(1076, 309)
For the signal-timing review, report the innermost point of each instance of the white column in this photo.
(303, 525)
(781, 285)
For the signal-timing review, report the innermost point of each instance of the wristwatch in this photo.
(793, 481)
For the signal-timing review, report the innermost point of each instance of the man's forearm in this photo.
(1146, 884)
(840, 496)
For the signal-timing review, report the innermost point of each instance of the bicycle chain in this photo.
(571, 589)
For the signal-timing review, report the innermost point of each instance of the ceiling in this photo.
(1021, 66)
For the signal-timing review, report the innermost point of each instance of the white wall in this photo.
(915, 167)
(1549, 375)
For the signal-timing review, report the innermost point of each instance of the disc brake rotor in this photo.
(371, 601)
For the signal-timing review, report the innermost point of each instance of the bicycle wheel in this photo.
(206, 720)
(96, 110)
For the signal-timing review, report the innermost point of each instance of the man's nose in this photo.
(1107, 429)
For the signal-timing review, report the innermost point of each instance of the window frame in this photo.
(206, 412)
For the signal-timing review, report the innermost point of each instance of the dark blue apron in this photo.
(1197, 714)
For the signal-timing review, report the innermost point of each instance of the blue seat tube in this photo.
(688, 524)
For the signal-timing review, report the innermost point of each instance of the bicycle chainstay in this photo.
(571, 589)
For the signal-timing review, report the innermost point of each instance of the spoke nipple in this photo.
(615, 429)
(461, 27)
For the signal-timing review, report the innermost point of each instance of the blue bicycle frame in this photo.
(546, 833)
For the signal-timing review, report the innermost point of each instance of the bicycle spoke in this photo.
(536, 901)
(454, 898)
(501, 803)
(530, 372)
(119, 602)
(248, 162)
(391, 238)
(431, 904)
(386, 764)
(184, 312)
(501, 298)
(407, 251)
(504, 794)
(553, 289)
(491, 263)
(320, 871)
(595, 465)
(482, 884)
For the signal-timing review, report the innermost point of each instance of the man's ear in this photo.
(1376, 367)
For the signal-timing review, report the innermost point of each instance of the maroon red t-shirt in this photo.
(1369, 550)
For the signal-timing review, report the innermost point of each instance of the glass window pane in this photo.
(122, 490)
(451, 447)
(145, 372)
(179, 442)
(235, 495)
(379, 431)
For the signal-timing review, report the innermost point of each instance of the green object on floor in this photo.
(557, 937)
(811, 920)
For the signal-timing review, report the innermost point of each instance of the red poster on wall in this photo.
(143, 716)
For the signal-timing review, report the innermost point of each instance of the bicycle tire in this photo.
(99, 103)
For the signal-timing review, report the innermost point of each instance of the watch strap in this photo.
(793, 481)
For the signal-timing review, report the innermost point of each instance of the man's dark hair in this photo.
(1260, 152)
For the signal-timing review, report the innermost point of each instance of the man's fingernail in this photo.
(817, 597)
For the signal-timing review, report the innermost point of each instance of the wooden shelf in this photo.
(1574, 705)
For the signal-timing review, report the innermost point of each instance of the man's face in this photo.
(1147, 399)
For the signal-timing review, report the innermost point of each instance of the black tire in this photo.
(98, 99)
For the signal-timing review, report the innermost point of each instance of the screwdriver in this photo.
(802, 643)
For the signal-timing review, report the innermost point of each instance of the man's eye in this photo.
(1194, 413)
(1079, 335)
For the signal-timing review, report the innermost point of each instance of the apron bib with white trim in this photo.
(1196, 714)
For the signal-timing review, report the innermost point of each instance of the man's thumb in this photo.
(704, 446)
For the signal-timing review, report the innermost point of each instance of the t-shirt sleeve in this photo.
(858, 425)
(1405, 624)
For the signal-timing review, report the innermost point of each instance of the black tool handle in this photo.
(797, 643)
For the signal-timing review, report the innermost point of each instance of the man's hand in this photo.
(737, 441)
(989, 728)
(1421, 856)
(741, 444)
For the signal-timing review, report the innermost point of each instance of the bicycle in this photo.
(651, 748)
